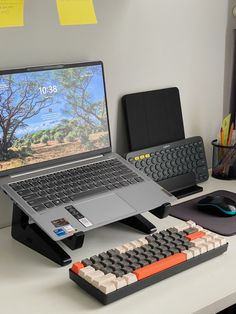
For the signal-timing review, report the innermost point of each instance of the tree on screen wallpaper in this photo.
(89, 114)
(14, 115)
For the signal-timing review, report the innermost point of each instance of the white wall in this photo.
(145, 45)
(231, 26)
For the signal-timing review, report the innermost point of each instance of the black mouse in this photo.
(218, 205)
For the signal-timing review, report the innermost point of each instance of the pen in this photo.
(230, 134)
(221, 136)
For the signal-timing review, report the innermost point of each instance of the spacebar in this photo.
(79, 195)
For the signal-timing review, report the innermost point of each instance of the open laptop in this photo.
(56, 160)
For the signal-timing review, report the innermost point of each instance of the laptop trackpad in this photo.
(107, 208)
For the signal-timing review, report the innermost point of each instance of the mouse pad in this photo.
(189, 211)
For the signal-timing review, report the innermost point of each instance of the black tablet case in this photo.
(189, 211)
(153, 118)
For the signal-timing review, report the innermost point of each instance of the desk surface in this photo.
(29, 283)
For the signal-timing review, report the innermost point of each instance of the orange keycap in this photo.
(159, 266)
(76, 267)
(195, 235)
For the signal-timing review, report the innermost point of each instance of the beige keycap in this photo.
(135, 244)
(91, 276)
(128, 246)
(198, 241)
(191, 223)
(199, 228)
(210, 246)
(107, 287)
(189, 254)
(143, 241)
(182, 227)
(202, 248)
(222, 240)
(216, 243)
(101, 280)
(130, 278)
(195, 251)
(207, 238)
(207, 232)
(84, 271)
(119, 282)
(121, 249)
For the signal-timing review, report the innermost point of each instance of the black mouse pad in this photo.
(189, 211)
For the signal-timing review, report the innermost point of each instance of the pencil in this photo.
(230, 134)
(221, 136)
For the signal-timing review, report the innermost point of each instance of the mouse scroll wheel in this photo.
(231, 207)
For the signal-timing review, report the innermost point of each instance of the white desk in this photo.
(29, 283)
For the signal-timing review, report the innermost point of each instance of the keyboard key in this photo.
(38, 208)
(76, 267)
(195, 235)
(107, 287)
(30, 197)
(24, 192)
(161, 265)
(49, 204)
(38, 201)
(57, 202)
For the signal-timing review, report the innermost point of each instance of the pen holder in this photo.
(223, 161)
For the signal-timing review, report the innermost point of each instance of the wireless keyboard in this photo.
(164, 162)
(130, 267)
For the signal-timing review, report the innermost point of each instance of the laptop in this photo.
(56, 159)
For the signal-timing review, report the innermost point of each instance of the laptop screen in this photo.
(49, 113)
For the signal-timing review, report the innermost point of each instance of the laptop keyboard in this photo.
(70, 185)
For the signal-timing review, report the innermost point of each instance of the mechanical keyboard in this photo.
(132, 266)
(164, 162)
(51, 190)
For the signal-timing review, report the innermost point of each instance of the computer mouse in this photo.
(218, 205)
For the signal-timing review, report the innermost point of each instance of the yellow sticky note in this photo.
(225, 127)
(11, 13)
(76, 12)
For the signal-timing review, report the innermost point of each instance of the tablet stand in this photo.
(182, 185)
(35, 238)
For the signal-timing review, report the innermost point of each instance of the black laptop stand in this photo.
(35, 238)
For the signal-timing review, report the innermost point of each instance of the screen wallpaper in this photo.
(50, 114)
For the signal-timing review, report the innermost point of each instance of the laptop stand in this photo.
(140, 223)
(35, 238)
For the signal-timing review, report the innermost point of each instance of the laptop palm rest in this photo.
(105, 209)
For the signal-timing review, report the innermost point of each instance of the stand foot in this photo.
(140, 223)
(75, 242)
(162, 211)
(36, 239)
